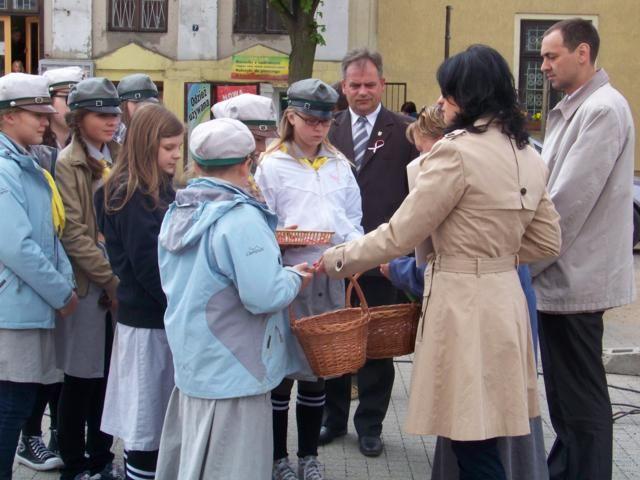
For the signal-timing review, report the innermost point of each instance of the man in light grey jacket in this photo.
(589, 149)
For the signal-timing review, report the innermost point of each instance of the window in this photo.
(257, 16)
(138, 15)
(19, 6)
(536, 97)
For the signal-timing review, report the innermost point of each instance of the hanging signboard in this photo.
(254, 67)
(225, 92)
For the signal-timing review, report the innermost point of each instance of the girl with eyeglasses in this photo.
(308, 183)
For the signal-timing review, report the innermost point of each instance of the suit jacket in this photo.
(383, 175)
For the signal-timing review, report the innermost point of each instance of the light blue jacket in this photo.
(227, 292)
(35, 273)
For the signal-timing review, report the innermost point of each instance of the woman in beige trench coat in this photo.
(481, 198)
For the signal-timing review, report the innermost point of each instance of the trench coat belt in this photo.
(479, 265)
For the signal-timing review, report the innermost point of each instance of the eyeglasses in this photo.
(314, 122)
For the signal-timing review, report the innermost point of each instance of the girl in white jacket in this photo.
(308, 183)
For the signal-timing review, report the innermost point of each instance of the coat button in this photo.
(523, 191)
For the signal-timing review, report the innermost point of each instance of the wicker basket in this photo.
(392, 328)
(335, 343)
(302, 238)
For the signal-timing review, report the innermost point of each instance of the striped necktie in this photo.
(360, 140)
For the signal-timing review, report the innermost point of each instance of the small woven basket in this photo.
(302, 238)
(335, 343)
(392, 328)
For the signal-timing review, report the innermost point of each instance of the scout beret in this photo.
(255, 111)
(313, 97)
(138, 88)
(28, 92)
(96, 94)
(221, 142)
(63, 78)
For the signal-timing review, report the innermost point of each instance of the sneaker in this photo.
(33, 453)
(83, 476)
(112, 471)
(309, 468)
(282, 470)
(53, 442)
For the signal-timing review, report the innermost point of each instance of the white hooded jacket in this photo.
(323, 199)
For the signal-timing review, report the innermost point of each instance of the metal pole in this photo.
(447, 31)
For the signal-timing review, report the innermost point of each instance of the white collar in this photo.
(371, 118)
(99, 154)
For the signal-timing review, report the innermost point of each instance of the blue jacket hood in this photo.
(198, 206)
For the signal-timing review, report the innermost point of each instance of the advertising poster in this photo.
(198, 108)
(262, 68)
(225, 92)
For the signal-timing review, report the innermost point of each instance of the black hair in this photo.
(481, 84)
(408, 108)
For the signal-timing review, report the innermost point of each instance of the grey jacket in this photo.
(589, 149)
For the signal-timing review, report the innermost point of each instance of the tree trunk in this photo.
(303, 52)
(299, 19)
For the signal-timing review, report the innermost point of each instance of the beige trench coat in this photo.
(484, 204)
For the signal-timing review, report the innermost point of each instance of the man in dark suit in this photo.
(373, 138)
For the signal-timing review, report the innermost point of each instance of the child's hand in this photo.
(384, 270)
(307, 273)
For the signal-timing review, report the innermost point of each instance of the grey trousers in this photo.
(523, 458)
(216, 439)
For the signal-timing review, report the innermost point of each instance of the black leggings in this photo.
(46, 394)
(479, 460)
(81, 404)
(309, 409)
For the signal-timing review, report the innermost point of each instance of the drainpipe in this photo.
(447, 31)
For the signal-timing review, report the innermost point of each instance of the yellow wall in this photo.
(174, 74)
(411, 38)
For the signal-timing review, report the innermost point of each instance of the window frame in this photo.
(137, 19)
(10, 10)
(537, 128)
(265, 30)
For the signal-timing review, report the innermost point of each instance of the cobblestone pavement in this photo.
(409, 457)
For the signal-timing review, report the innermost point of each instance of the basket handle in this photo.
(353, 283)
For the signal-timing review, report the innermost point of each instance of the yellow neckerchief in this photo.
(106, 169)
(57, 207)
(315, 164)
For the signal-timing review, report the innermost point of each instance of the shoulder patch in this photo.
(455, 134)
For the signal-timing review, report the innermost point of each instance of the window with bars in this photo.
(138, 15)
(534, 96)
(257, 16)
(19, 6)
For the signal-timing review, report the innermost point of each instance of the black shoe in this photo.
(328, 435)
(33, 453)
(370, 446)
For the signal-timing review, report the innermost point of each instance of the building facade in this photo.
(190, 45)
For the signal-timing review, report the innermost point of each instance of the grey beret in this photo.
(96, 94)
(313, 97)
(137, 88)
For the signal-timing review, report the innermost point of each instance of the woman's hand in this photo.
(318, 265)
(306, 272)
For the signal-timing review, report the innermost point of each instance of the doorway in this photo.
(19, 43)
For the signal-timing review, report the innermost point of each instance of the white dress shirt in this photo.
(371, 119)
